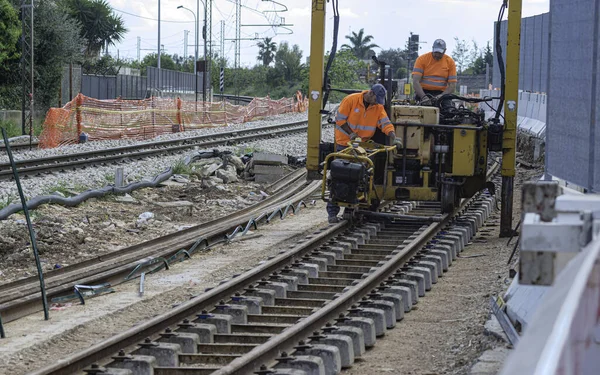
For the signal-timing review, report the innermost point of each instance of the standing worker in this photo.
(434, 73)
(359, 116)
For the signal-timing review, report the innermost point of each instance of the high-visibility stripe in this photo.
(435, 77)
(340, 117)
(383, 120)
(363, 127)
(452, 77)
(433, 83)
(417, 70)
(339, 128)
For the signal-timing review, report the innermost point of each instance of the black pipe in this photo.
(29, 225)
(450, 127)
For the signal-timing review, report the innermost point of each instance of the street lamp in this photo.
(195, 37)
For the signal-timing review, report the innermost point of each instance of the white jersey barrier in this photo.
(531, 117)
(560, 247)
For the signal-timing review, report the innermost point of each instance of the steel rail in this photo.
(21, 297)
(60, 162)
(151, 327)
(268, 351)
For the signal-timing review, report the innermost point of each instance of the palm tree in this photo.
(360, 44)
(100, 27)
(266, 51)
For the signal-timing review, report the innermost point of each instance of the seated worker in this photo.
(434, 74)
(359, 115)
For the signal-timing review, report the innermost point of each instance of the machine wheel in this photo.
(449, 198)
(348, 214)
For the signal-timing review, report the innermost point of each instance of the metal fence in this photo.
(573, 132)
(127, 86)
(535, 43)
(173, 81)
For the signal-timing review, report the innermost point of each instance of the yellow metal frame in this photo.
(315, 87)
(362, 154)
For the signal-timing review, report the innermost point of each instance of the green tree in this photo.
(289, 62)
(100, 27)
(10, 30)
(462, 55)
(266, 51)
(360, 44)
(166, 62)
(396, 59)
(344, 74)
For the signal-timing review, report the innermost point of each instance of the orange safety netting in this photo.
(148, 118)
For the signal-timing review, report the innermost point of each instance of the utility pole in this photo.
(222, 41)
(236, 64)
(27, 83)
(209, 33)
(139, 44)
(185, 44)
(158, 57)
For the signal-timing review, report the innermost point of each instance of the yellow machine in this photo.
(445, 154)
(437, 163)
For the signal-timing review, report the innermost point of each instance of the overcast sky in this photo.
(388, 21)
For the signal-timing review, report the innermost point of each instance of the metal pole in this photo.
(158, 58)
(29, 225)
(205, 68)
(315, 87)
(509, 141)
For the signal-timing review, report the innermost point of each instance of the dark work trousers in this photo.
(332, 209)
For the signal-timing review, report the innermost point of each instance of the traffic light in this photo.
(413, 45)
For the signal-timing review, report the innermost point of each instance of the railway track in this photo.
(139, 151)
(19, 146)
(22, 297)
(314, 308)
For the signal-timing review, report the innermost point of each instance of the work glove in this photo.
(353, 136)
(398, 144)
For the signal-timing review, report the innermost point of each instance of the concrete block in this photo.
(238, 313)
(418, 278)
(342, 342)
(329, 256)
(166, 354)
(426, 272)
(329, 354)
(95, 369)
(387, 307)
(268, 158)
(430, 260)
(252, 303)
(266, 178)
(267, 295)
(187, 341)
(366, 325)
(354, 333)
(285, 371)
(442, 255)
(291, 281)
(311, 365)
(338, 251)
(413, 286)
(279, 288)
(321, 262)
(396, 299)
(206, 332)
(268, 169)
(136, 364)
(348, 246)
(312, 268)
(402, 291)
(350, 240)
(376, 315)
(301, 274)
(220, 321)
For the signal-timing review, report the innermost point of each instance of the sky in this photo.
(388, 21)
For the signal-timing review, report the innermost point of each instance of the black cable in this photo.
(500, 60)
(336, 24)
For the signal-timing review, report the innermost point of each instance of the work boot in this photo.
(333, 219)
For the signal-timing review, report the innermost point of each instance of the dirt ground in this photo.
(70, 235)
(443, 335)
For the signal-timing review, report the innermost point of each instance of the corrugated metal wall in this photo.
(533, 67)
(573, 130)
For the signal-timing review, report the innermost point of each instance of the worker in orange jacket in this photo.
(434, 74)
(359, 116)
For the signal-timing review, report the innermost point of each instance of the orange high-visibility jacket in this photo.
(361, 121)
(436, 74)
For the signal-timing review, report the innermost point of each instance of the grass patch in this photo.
(6, 202)
(181, 168)
(13, 129)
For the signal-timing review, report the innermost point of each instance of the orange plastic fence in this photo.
(148, 118)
